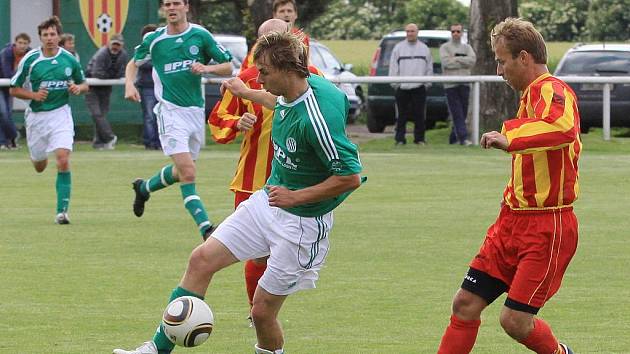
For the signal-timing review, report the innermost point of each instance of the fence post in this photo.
(606, 108)
(475, 109)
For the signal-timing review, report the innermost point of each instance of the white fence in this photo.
(476, 81)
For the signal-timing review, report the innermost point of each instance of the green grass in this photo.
(400, 247)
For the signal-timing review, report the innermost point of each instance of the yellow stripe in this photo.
(518, 180)
(541, 178)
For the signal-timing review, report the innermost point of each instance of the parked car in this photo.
(323, 58)
(237, 45)
(380, 97)
(598, 60)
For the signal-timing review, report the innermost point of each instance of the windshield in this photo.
(323, 59)
(595, 63)
(238, 51)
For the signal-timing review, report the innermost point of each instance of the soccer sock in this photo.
(259, 350)
(541, 339)
(460, 336)
(160, 180)
(63, 186)
(195, 207)
(162, 343)
(253, 272)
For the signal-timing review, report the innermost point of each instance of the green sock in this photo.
(163, 344)
(195, 207)
(160, 180)
(63, 186)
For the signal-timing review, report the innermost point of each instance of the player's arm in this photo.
(238, 88)
(25, 94)
(553, 125)
(331, 187)
(131, 71)
(77, 89)
(225, 117)
(223, 69)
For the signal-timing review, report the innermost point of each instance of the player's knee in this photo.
(467, 306)
(187, 174)
(517, 327)
(200, 261)
(261, 313)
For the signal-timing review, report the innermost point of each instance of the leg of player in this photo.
(534, 333)
(265, 315)
(184, 172)
(461, 333)
(63, 185)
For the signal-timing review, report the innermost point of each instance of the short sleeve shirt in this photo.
(55, 73)
(310, 143)
(172, 57)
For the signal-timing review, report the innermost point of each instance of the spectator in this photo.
(109, 62)
(67, 42)
(10, 57)
(410, 57)
(457, 59)
(144, 83)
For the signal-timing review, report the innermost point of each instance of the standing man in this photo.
(54, 73)
(178, 53)
(529, 247)
(107, 63)
(457, 59)
(315, 168)
(233, 115)
(10, 57)
(410, 57)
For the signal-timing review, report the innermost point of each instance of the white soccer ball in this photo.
(104, 23)
(187, 321)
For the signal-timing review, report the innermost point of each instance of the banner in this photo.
(103, 18)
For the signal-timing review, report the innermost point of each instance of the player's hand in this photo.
(246, 122)
(40, 96)
(131, 93)
(281, 197)
(235, 85)
(493, 139)
(198, 68)
(74, 89)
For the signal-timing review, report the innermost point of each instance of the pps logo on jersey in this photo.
(175, 67)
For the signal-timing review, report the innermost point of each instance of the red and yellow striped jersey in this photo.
(248, 61)
(254, 164)
(545, 144)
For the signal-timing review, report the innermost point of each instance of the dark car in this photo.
(380, 97)
(598, 60)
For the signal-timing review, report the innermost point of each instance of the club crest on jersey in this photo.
(194, 50)
(68, 71)
(291, 145)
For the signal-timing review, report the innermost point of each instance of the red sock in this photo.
(253, 272)
(541, 339)
(460, 336)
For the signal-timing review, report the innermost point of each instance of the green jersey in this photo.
(310, 143)
(55, 73)
(172, 56)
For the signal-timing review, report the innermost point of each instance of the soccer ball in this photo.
(104, 23)
(187, 321)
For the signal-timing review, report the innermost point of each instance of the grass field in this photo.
(400, 247)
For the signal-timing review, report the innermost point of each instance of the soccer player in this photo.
(178, 52)
(315, 168)
(528, 249)
(285, 10)
(233, 115)
(46, 76)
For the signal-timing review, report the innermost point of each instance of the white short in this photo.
(182, 129)
(297, 246)
(48, 131)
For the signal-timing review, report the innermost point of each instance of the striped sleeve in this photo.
(550, 123)
(224, 118)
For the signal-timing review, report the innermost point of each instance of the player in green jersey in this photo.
(315, 167)
(46, 76)
(179, 53)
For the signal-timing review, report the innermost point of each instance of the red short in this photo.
(529, 251)
(240, 197)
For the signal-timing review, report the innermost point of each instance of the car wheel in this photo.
(374, 123)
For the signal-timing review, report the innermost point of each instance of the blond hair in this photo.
(517, 35)
(284, 51)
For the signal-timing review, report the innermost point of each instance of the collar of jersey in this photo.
(190, 26)
(43, 57)
(307, 93)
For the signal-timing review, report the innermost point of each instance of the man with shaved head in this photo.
(410, 57)
(233, 116)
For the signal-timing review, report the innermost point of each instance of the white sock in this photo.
(265, 351)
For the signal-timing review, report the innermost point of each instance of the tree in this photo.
(435, 14)
(498, 101)
(608, 20)
(557, 21)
